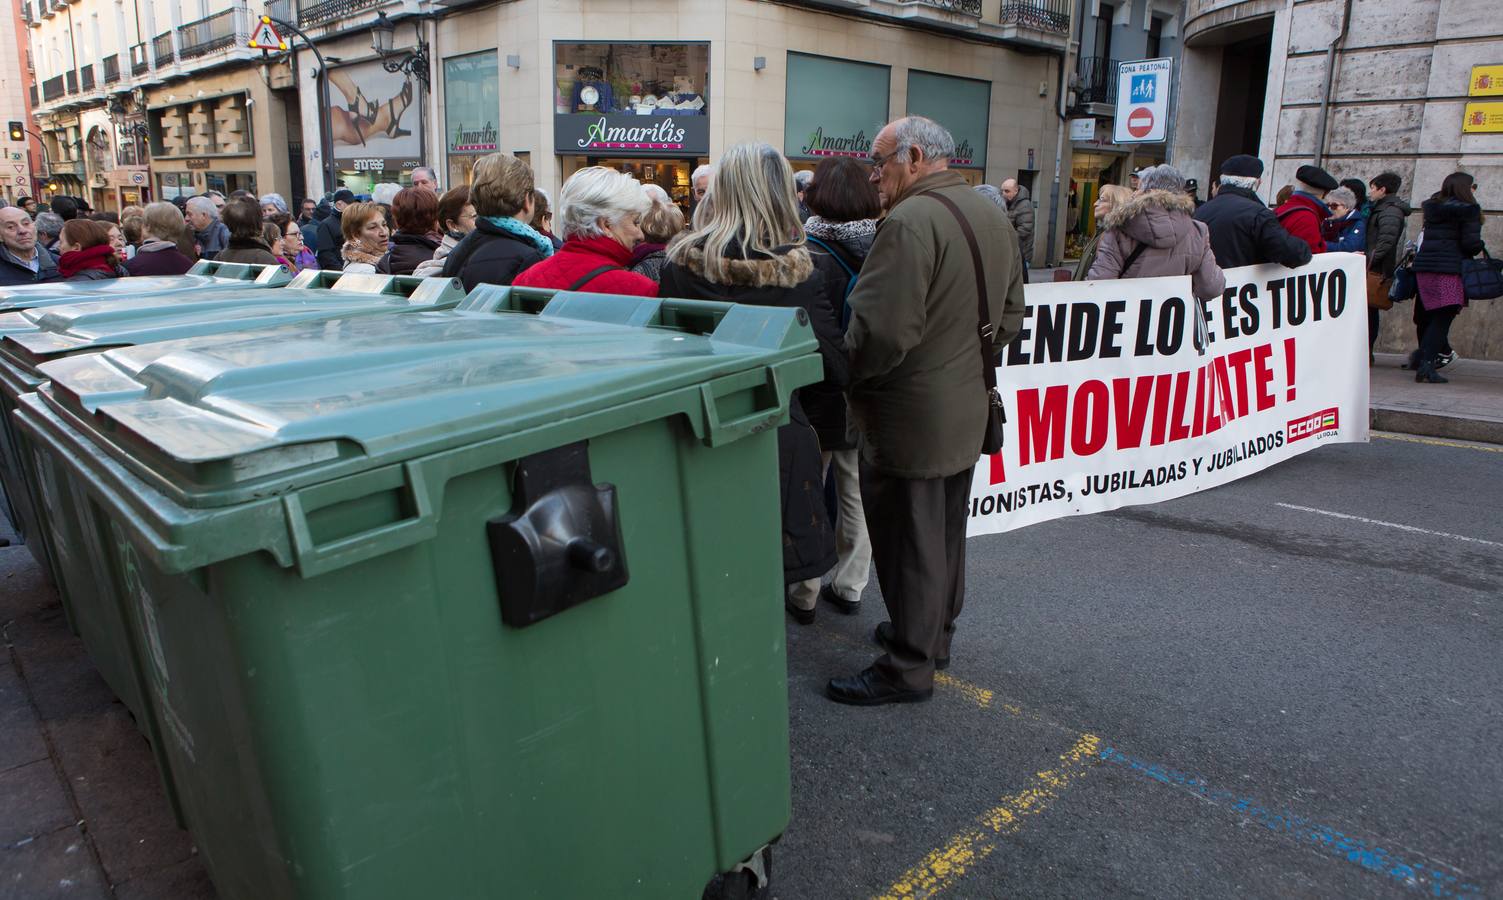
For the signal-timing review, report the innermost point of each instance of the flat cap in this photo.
(1243, 166)
(1316, 177)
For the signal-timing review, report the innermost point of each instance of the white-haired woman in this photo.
(599, 217)
(747, 246)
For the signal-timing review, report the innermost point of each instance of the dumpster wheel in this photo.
(751, 880)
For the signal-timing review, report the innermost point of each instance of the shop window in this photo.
(227, 183)
(631, 79)
(175, 184)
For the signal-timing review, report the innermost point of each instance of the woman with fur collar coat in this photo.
(747, 247)
(1153, 234)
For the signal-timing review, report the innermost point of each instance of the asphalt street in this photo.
(1291, 686)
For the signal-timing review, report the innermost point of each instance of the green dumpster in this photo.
(204, 274)
(455, 604)
(48, 514)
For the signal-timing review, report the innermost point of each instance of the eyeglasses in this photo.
(879, 160)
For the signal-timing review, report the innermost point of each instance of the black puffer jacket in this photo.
(1245, 232)
(1453, 232)
(329, 241)
(851, 241)
(407, 252)
(1385, 234)
(786, 278)
(489, 255)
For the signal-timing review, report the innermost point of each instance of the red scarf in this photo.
(75, 261)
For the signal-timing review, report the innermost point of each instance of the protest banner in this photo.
(1128, 392)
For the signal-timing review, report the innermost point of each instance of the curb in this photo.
(1408, 421)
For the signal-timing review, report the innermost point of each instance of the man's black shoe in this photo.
(870, 689)
(801, 616)
(828, 595)
(883, 635)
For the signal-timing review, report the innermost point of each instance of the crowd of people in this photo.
(876, 459)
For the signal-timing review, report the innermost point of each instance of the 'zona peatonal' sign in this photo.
(631, 135)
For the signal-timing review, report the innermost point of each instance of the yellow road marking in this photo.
(977, 695)
(945, 866)
(1435, 442)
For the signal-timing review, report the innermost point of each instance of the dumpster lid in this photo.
(34, 336)
(271, 409)
(204, 274)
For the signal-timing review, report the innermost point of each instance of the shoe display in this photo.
(827, 594)
(883, 636)
(867, 688)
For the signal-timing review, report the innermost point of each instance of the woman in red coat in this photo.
(599, 216)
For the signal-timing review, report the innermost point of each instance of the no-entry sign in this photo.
(1143, 88)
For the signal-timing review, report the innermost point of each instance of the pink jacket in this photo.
(1173, 243)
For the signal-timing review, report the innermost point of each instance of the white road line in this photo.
(1410, 528)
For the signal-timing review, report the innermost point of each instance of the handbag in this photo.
(1482, 279)
(1404, 286)
(996, 413)
(1378, 291)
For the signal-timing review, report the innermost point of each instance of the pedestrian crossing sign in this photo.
(265, 37)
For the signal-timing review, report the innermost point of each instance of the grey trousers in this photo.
(917, 528)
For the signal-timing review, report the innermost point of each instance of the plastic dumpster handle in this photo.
(768, 396)
(314, 559)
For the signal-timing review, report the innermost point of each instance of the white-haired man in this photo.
(919, 355)
(23, 260)
(209, 234)
(699, 182)
(424, 177)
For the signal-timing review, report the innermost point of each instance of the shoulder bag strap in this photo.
(1132, 257)
(589, 276)
(984, 323)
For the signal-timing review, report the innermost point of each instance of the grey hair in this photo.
(751, 214)
(1246, 182)
(931, 138)
(802, 179)
(49, 223)
(385, 192)
(274, 200)
(706, 171)
(432, 175)
(991, 193)
(596, 193)
(1161, 178)
(203, 205)
(655, 194)
(1344, 196)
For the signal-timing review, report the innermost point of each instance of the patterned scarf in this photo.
(359, 251)
(839, 231)
(522, 230)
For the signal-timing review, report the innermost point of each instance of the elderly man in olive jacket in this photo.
(918, 397)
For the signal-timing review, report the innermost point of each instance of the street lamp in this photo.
(412, 62)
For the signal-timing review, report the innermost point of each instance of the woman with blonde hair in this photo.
(159, 253)
(748, 246)
(1112, 196)
(364, 228)
(600, 218)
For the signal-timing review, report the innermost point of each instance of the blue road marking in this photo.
(1323, 838)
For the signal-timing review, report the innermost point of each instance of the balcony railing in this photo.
(1098, 80)
(966, 7)
(111, 65)
(282, 10)
(1041, 15)
(72, 77)
(207, 35)
(35, 101)
(161, 49)
(138, 62)
(329, 10)
(53, 88)
(86, 78)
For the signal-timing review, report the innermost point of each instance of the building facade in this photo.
(19, 158)
(657, 87)
(1108, 34)
(1359, 88)
(145, 100)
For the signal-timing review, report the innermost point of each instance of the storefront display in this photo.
(376, 119)
(835, 107)
(472, 111)
(632, 99)
(962, 105)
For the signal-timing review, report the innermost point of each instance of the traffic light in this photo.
(52, 184)
(17, 131)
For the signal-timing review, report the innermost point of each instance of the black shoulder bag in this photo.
(996, 413)
(589, 276)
